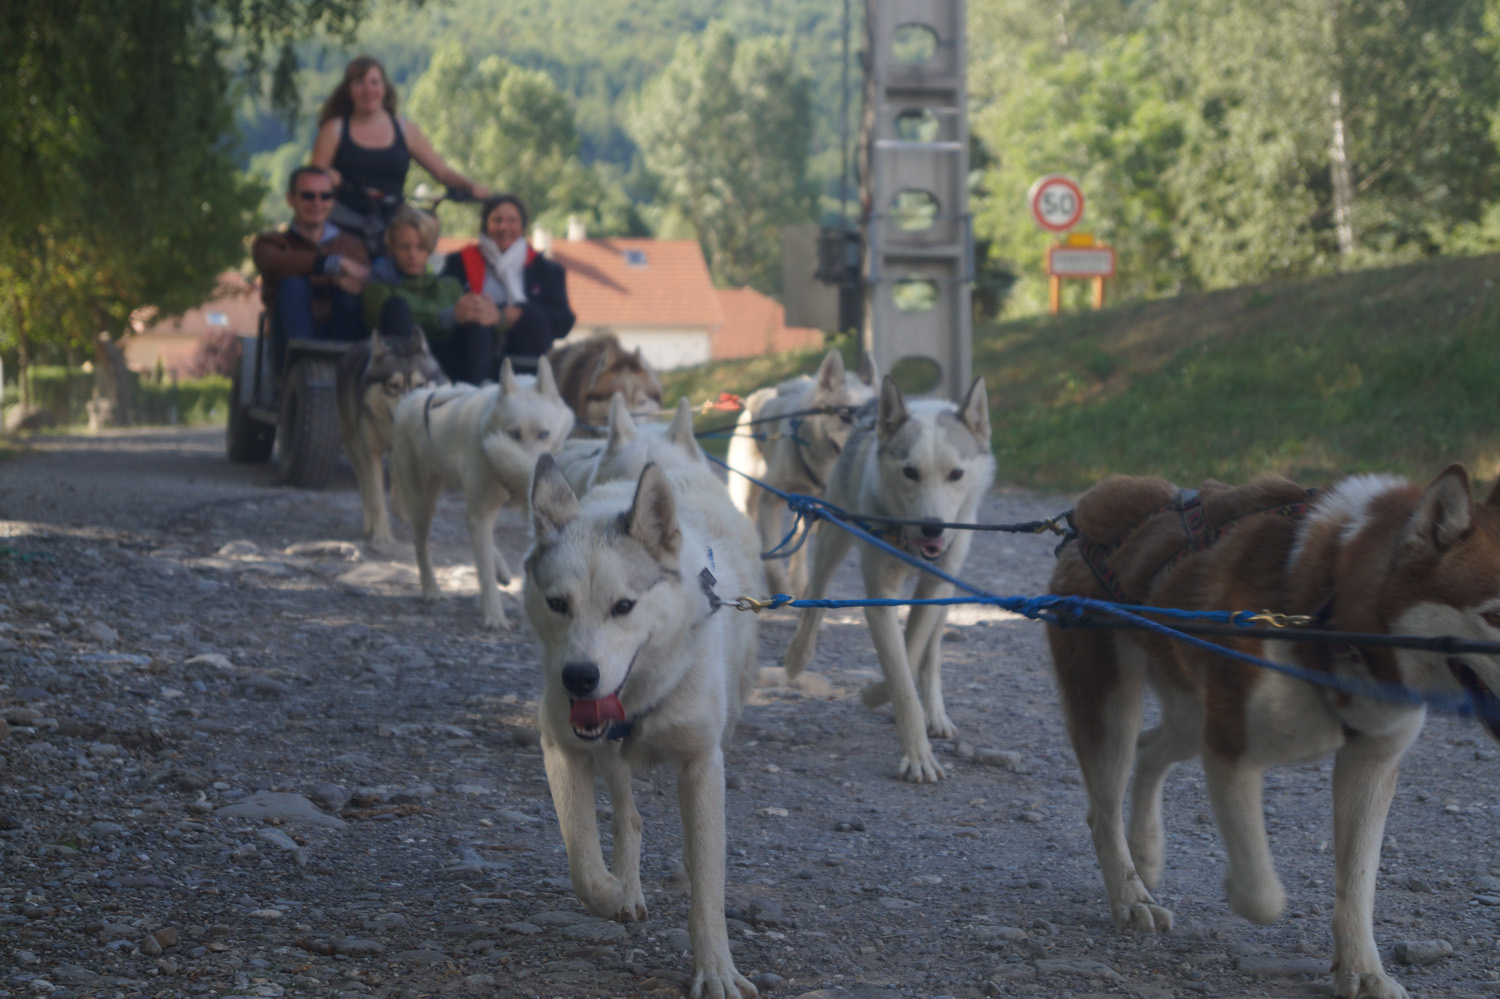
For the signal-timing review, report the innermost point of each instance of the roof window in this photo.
(635, 258)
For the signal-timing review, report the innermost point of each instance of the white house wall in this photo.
(665, 348)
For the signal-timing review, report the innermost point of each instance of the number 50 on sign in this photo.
(1056, 203)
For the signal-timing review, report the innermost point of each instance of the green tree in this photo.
(513, 129)
(1243, 141)
(725, 128)
(116, 138)
(1102, 115)
(116, 119)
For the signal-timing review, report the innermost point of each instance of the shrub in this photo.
(218, 353)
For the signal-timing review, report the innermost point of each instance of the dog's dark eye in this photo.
(955, 475)
(846, 418)
(558, 605)
(621, 608)
(515, 435)
(542, 435)
(1492, 618)
(912, 473)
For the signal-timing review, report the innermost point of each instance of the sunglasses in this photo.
(315, 195)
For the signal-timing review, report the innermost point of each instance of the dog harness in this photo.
(1196, 528)
(796, 425)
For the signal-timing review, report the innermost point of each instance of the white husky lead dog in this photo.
(641, 665)
(795, 454)
(927, 461)
(485, 442)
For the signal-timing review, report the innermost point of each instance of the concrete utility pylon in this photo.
(914, 188)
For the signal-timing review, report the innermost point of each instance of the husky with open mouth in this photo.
(1373, 554)
(642, 664)
(927, 460)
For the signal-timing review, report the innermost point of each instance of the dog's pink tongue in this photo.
(592, 714)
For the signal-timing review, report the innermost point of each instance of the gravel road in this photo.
(238, 757)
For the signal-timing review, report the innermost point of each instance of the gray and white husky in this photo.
(925, 461)
(483, 441)
(795, 454)
(371, 380)
(642, 665)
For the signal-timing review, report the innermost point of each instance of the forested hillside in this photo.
(1217, 145)
(599, 52)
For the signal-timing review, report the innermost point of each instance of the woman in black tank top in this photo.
(365, 169)
(367, 148)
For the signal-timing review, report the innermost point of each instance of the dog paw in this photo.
(1262, 903)
(921, 768)
(631, 908)
(496, 622)
(941, 727)
(430, 596)
(1143, 917)
(611, 899)
(718, 979)
(1366, 985)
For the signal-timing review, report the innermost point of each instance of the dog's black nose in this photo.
(931, 531)
(580, 679)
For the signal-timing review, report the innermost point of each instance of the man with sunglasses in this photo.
(311, 272)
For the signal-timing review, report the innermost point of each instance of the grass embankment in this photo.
(1392, 370)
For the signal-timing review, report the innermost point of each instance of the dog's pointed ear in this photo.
(1444, 514)
(553, 504)
(975, 410)
(831, 372)
(546, 384)
(891, 413)
(508, 383)
(377, 346)
(681, 433)
(621, 427)
(419, 341)
(652, 518)
(868, 372)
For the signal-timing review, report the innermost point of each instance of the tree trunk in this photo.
(110, 406)
(1343, 187)
(23, 354)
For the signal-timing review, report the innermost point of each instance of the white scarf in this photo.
(506, 267)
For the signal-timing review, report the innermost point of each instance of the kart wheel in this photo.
(307, 437)
(247, 440)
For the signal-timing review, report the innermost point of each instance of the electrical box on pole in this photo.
(914, 148)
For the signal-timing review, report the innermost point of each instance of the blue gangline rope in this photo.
(1047, 608)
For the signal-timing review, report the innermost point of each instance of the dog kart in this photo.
(299, 426)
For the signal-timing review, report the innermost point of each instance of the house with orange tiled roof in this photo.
(173, 340)
(656, 294)
(755, 324)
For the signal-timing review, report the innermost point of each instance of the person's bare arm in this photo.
(325, 145)
(424, 154)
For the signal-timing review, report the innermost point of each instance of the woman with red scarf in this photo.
(510, 289)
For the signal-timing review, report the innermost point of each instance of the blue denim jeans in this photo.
(294, 317)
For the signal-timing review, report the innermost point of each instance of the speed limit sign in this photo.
(1056, 202)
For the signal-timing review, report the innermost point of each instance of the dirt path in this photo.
(177, 636)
